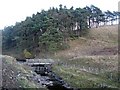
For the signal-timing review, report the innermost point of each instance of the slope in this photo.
(91, 61)
(17, 76)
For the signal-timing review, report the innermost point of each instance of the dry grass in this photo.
(92, 60)
(106, 33)
(100, 41)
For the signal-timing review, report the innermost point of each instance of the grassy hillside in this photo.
(91, 61)
(99, 41)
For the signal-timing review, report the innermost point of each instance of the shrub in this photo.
(27, 54)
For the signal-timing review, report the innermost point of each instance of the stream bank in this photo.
(45, 76)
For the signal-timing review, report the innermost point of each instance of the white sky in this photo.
(12, 11)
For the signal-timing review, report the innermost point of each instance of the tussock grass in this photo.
(90, 62)
(72, 71)
(98, 39)
(84, 79)
(107, 34)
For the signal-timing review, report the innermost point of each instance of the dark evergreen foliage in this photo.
(50, 30)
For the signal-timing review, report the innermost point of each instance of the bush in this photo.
(27, 54)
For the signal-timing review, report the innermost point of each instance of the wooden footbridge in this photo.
(48, 78)
(41, 66)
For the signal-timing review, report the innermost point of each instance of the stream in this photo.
(46, 77)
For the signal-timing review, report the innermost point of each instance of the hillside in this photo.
(17, 76)
(83, 43)
(99, 41)
(91, 61)
(49, 31)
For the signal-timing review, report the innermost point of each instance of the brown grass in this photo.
(99, 41)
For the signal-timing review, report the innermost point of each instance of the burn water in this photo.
(50, 79)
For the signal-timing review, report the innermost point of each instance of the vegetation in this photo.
(27, 54)
(22, 79)
(50, 30)
(89, 72)
(89, 61)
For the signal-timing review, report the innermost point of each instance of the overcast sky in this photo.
(12, 11)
